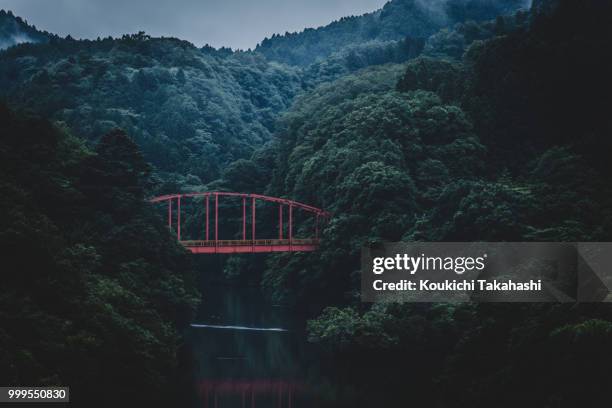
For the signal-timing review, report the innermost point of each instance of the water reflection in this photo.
(248, 354)
(253, 393)
(217, 326)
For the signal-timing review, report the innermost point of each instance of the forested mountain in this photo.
(397, 20)
(14, 30)
(95, 291)
(410, 123)
(192, 111)
(447, 43)
(502, 144)
(508, 143)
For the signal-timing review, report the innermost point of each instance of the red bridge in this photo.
(244, 245)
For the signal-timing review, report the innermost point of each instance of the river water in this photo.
(251, 354)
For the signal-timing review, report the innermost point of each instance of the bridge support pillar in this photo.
(244, 218)
(253, 218)
(206, 199)
(217, 218)
(178, 218)
(170, 213)
(280, 221)
(290, 223)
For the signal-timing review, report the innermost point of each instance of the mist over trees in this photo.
(14, 30)
(397, 20)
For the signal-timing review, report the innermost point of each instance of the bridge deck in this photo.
(251, 246)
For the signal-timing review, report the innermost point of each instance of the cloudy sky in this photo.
(232, 23)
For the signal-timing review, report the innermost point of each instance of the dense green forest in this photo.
(496, 146)
(192, 111)
(498, 135)
(509, 143)
(93, 282)
(459, 120)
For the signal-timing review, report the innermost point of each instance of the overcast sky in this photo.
(231, 23)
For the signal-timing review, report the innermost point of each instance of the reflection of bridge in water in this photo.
(249, 353)
(244, 245)
(248, 393)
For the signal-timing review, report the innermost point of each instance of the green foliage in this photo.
(532, 355)
(534, 87)
(397, 20)
(356, 147)
(335, 326)
(547, 173)
(504, 145)
(401, 346)
(191, 111)
(94, 283)
(454, 41)
(358, 56)
(392, 327)
(445, 78)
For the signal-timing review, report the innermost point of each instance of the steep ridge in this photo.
(14, 30)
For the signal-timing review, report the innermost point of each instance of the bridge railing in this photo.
(249, 242)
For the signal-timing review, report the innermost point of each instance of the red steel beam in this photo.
(284, 201)
(220, 249)
(178, 218)
(280, 221)
(253, 218)
(243, 218)
(170, 213)
(207, 218)
(216, 217)
(290, 223)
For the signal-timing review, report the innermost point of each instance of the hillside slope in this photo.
(14, 30)
(192, 111)
(397, 20)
